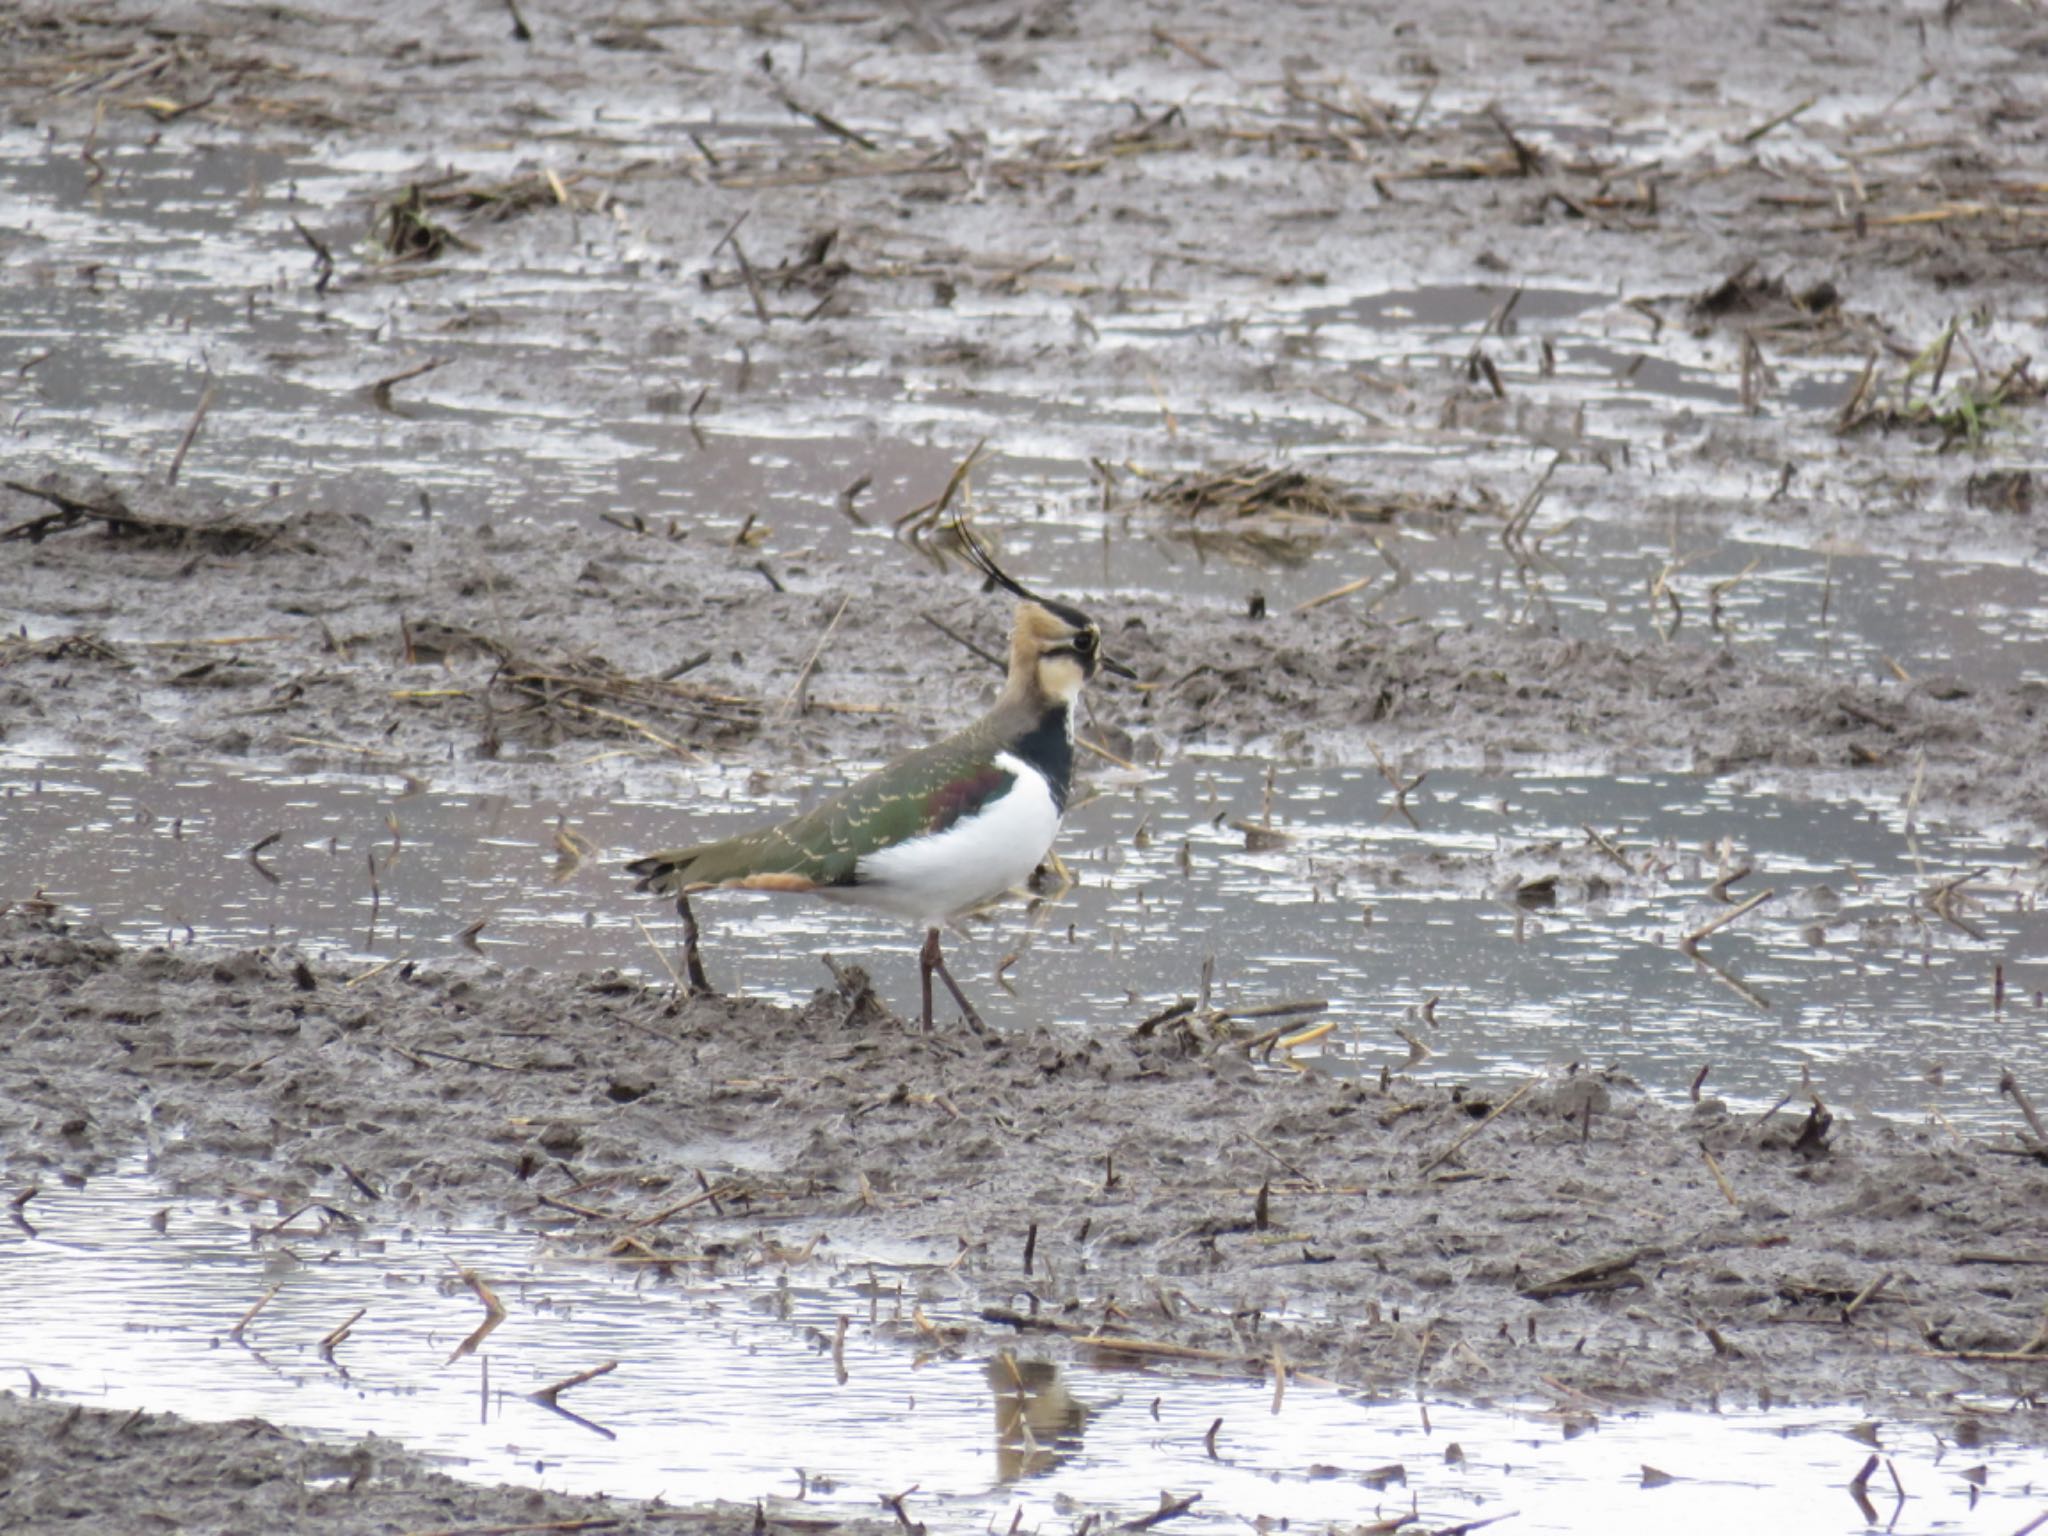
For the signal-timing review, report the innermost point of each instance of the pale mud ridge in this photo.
(66, 1468)
(1407, 1238)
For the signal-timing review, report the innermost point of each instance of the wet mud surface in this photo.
(1551, 390)
(1567, 1237)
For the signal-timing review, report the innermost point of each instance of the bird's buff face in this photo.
(1060, 676)
(1064, 644)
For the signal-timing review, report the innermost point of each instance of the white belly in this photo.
(935, 878)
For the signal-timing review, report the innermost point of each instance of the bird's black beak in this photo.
(1110, 664)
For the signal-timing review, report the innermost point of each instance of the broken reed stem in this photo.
(549, 1394)
(492, 1306)
(752, 279)
(1169, 1507)
(326, 745)
(1122, 1345)
(1725, 918)
(333, 1340)
(530, 1528)
(703, 1196)
(249, 1316)
(959, 639)
(2010, 1087)
(1719, 889)
(1720, 1178)
(380, 391)
(494, 1314)
(638, 727)
(191, 432)
(587, 1213)
(1606, 845)
(793, 700)
(376, 970)
(674, 980)
(1105, 754)
(1868, 1294)
(1307, 1036)
(894, 1501)
(1987, 1356)
(1291, 1168)
(933, 511)
(1401, 791)
(1498, 1110)
(376, 899)
(1334, 593)
(1779, 121)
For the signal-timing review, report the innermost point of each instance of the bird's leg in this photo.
(931, 960)
(928, 961)
(698, 984)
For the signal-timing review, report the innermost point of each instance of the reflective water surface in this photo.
(829, 1380)
(199, 280)
(1478, 914)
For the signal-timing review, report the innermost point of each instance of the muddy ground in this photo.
(1642, 1254)
(65, 1467)
(971, 158)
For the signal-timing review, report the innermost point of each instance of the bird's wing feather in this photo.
(917, 795)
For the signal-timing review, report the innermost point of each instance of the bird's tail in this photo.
(663, 874)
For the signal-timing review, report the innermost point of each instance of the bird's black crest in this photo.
(983, 559)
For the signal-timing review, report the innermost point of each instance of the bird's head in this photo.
(1054, 647)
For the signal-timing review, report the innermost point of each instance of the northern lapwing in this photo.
(942, 831)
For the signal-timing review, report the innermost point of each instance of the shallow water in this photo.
(1846, 973)
(182, 272)
(135, 283)
(729, 1387)
(1849, 972)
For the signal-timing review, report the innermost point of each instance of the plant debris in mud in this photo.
(215, 536)
(1279, 515)
(1975, 403)
(1283, 491)
(586, 696)
(576, 698)
(1978, 397)
(1770, 301)
(407, 229)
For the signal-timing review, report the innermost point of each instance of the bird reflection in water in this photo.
(1038, 1421)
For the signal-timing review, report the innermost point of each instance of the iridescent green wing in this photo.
(917, 795)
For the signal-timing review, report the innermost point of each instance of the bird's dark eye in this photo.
(1084, 642)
